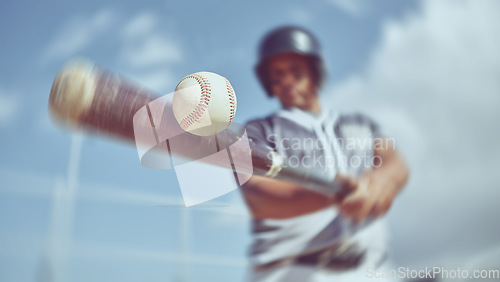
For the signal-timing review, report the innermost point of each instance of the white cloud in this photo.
(433, 82)
(351, 7)
(300, 15)
(146, 44)
(9, 107)
(153, 49)
(145, 22)
(78, 34)
(159, 79)
(149, 51)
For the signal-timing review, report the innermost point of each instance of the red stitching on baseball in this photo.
(196, 114)
(232, 100)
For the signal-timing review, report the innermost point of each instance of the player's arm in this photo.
(270, 198)
(378, 187)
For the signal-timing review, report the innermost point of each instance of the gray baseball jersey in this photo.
(333, 143)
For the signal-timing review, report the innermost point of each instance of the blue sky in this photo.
(426, 70)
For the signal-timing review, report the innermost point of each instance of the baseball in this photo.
(204, 103)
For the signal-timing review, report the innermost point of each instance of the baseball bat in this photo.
(84, 95)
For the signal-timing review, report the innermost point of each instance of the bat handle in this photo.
(268, 163)
(316, 180)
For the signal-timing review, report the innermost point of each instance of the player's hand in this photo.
(372, 196)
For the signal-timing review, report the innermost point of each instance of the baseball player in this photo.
(299, 234)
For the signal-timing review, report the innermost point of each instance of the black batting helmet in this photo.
(289, 39)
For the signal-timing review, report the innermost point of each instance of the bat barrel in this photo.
(84, 95)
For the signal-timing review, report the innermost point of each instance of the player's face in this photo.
(291, 80)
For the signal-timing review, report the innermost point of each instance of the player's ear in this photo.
(318, 71)
(262, 75)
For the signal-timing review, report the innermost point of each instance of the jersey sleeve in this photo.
(371, 124)
(257, 131)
